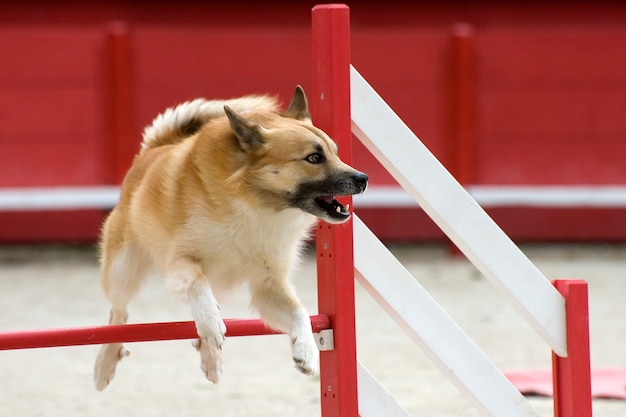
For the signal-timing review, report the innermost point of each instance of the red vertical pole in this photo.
(121, 141)
(572, 375)
(463, 104)
(330, 104)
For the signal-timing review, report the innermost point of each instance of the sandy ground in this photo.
(44, 287)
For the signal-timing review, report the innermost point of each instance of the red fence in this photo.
(142, 332)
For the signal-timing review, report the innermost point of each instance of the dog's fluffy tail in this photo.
(187, 118)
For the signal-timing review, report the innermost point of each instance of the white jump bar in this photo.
(456, 213)
(106, 197)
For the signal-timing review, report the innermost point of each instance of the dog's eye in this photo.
(315, 158)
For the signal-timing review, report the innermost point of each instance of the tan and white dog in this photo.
(223, 193)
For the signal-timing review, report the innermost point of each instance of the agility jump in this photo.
(559, 315)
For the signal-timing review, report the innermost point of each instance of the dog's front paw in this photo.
(210, 359)
(212, 331)
(305, 354)
(212, 336)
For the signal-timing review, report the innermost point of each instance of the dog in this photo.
(223, 193)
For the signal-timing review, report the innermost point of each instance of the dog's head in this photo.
(293, 164)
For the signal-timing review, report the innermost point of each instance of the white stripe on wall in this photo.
(503, 196)
(58, 198)
(106, 197)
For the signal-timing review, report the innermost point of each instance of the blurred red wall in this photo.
(527, 93)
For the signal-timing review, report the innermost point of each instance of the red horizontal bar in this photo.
(143, 332)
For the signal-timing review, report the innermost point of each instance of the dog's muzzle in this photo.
(326, 207)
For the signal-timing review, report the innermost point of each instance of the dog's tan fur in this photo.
(223, 193)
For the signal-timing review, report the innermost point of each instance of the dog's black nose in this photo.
(360, 180)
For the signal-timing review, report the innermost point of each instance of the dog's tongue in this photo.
(328, 199)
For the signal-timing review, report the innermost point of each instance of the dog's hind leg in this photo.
(122, 275)
(111, 354)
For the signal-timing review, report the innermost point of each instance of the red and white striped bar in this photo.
(142, 332)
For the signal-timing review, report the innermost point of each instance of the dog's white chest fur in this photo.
(250, 244)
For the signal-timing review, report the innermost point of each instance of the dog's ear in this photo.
(298, 108)
(248, 133)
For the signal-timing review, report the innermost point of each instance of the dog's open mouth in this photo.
(333, 208)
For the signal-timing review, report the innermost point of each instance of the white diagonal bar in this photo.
(443, 341)
(456, 213)
(374, 399)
